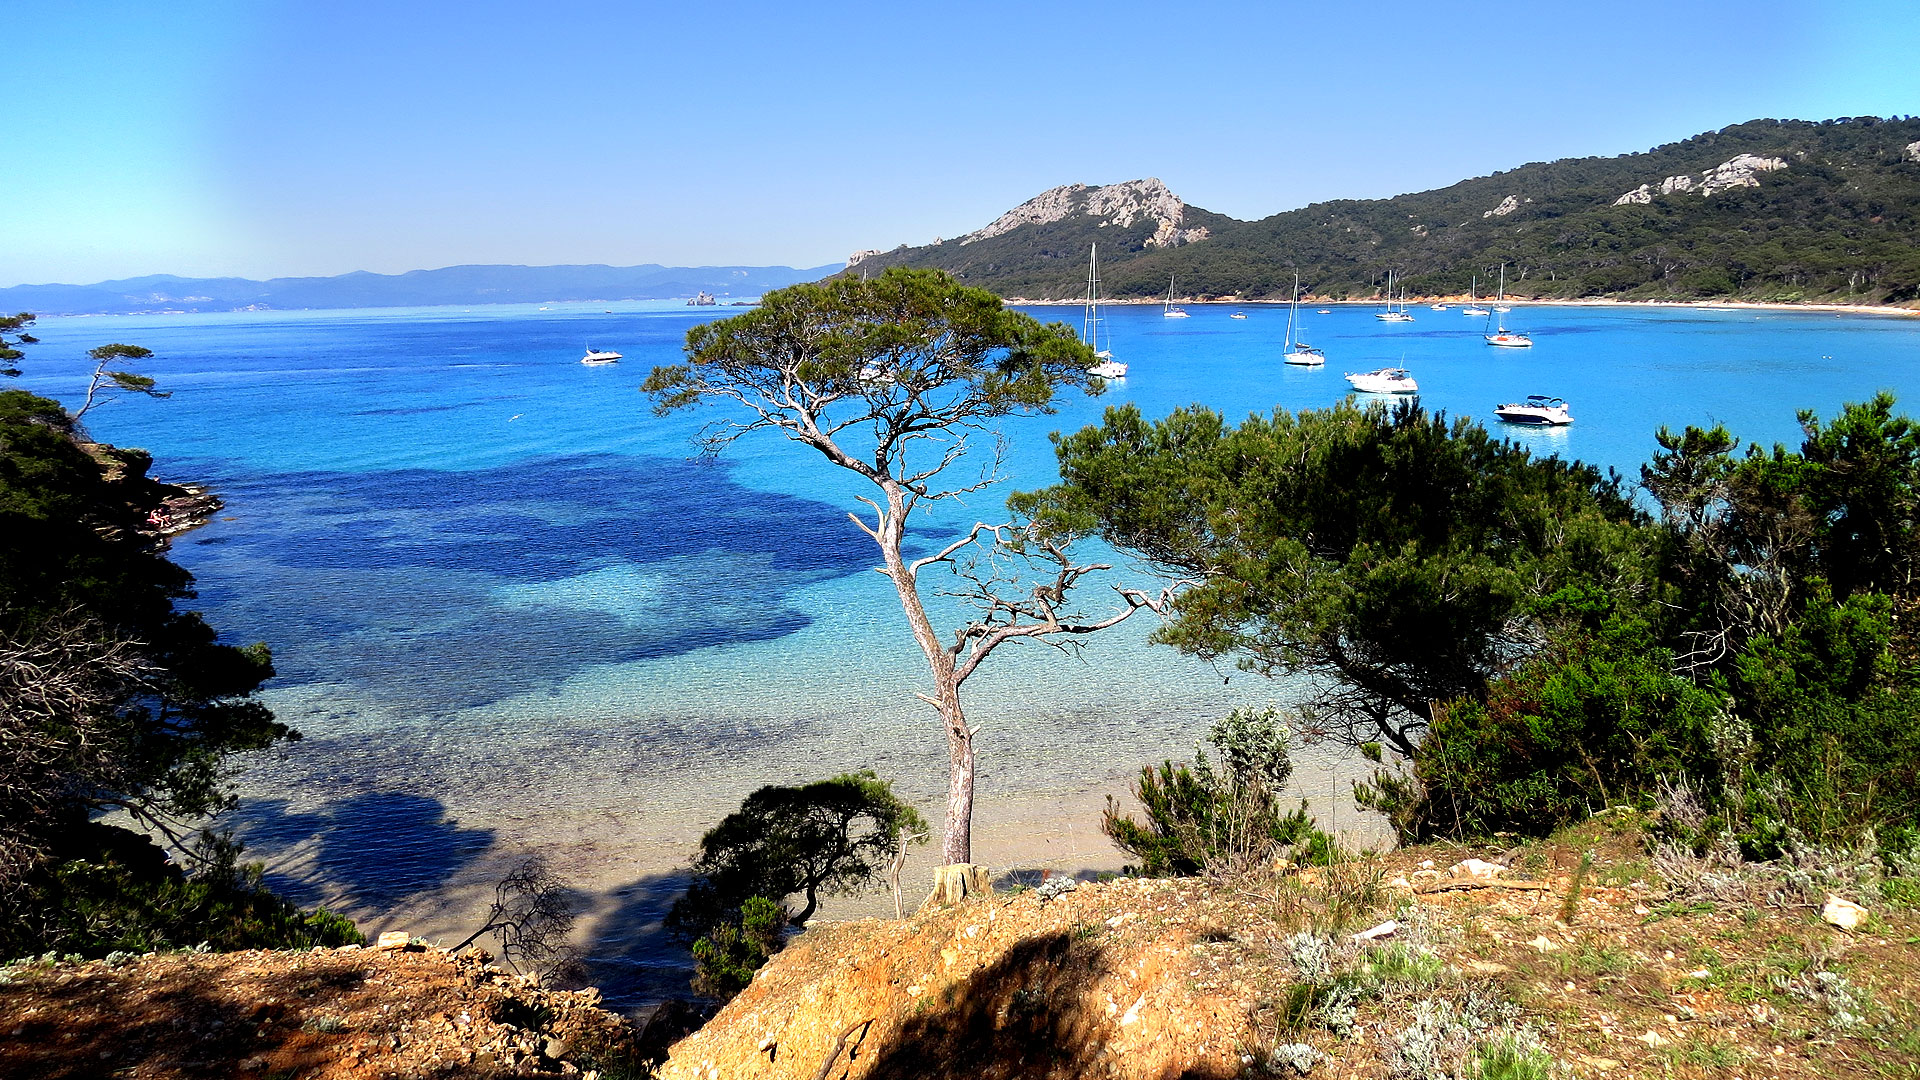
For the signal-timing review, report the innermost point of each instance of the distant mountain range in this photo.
(1766, 210)
(453, 285)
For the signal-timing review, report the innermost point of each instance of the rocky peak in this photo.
(1913, 151)
(1119, 205)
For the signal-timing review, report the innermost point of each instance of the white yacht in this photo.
(1538, 410)
(1391, 315)
(1238, 315)
(1171, 311)
(595, 358)
(1108, 367)
(1386, 380)
(1503, 337)
(1473, 303)
(1299, 353)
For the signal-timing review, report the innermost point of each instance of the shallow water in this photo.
(512, 611)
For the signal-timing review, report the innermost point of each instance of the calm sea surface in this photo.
(512, 612)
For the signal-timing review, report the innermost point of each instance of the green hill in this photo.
(1766, 210)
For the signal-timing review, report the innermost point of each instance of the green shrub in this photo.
(1203, 819)
(123, 896)
(727, 957)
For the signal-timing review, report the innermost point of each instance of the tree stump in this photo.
(957, 883)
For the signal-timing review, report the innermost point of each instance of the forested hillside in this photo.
(1766, 210)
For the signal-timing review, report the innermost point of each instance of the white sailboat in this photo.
(1473, 303)
(1108, 367)
(1170, 311)
(1503, 337)
(1299, 353)
(1391, 315)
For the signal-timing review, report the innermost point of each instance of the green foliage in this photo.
(1836, 224)
(109, 890)
(1589, 723)
(1390, 553)
(727, 957)
(14, 331)
(111, 697)
(824, 838)
(1219, 821)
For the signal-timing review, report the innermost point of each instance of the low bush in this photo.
(1225, 819)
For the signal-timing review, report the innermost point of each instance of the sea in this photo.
(514, 612)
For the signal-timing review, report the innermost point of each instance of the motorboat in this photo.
(1171, 311)
(1324, 311)
(1386, 380)
(1299, 353)
(1238, 315)
(1439, 307)
(1108, 367)
(597, 357)
(1538, 410)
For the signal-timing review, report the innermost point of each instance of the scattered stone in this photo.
(1477, 868)
(554, 1049)
(1385, 929)
(1055, 887)
(1543, 943)
(1844, 914)
(392, 939)
(1653, 1038)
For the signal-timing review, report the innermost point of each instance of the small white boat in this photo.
(1238, 315)
(1324, 311)
(1538, 410)
(1473, 301)
(1439, 307)
(1108, 367)
(1299, 353)
(1170, 311)
(1391, 315)
(595, 358)
(1503, 337)
(1386, 380)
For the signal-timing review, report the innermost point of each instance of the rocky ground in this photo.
(1580, 956)
(350, 1012)
(1390, 967)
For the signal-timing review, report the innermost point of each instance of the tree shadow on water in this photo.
(1031, 1014)
(371, 850)
(629, 954)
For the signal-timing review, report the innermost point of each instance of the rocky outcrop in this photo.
(1119, 205)
(1913, 151)
(1507, 206)
(859, 257)
(1742, 171)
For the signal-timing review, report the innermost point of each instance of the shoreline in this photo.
(1425, 301)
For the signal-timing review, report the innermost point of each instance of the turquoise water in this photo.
(513, 611)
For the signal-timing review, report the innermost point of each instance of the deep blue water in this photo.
(512, 610)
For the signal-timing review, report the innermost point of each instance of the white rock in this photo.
(1119, 205)
(1642, 194)
(1653, 1038)
(1543, 943)
(1844, 914)
(1132, 1015)
(1477, 868)
(392, 939)
(1507, 206)
(1426, 864)
(1385, 929)
(1913, 151)
(1738, 172)
(1671, 184)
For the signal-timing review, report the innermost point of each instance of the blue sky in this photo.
(262, 138)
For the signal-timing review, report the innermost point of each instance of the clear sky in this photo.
(261, 138)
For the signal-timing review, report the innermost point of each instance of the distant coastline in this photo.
(1424, 301)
